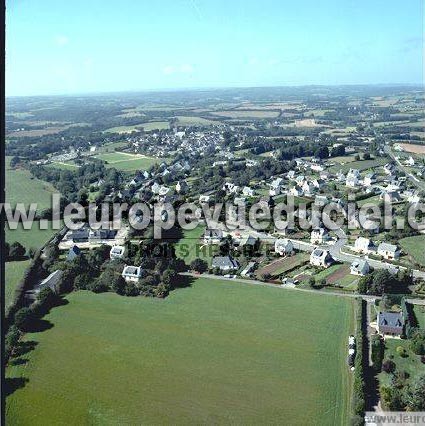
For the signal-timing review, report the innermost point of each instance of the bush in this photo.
(388, 366)
(23, 318)
(401, 351)
(377, 352)
(199, 265)
(359, 386)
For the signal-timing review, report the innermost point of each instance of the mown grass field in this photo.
(22, 187)
(13, 271)
(128, 162)
(414, 246)
(218, 352)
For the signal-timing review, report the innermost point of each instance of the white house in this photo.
(388, 251)
(117, 252)
(308, 187)
(276, 186)
(247, 191)
(369, 179)
(296, 191)
(131, 273)
(320, 257)
(390, 196)
(318, 236)
(359, 267)
(230, 188)
(351, 181)
(410, 161)
(363, 245)
(182, 187)
(283, 246)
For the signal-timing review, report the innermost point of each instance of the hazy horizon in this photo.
(59, 48)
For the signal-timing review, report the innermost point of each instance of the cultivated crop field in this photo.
(217, 352)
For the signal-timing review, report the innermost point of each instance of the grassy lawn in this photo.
(68, 165)
(14, 271)
(190, 246)
(414, 246)
(419, 311)
(22, 187)
(411, 364)
(218, 352)
(128, 162)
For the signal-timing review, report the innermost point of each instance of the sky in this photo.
(73, 47)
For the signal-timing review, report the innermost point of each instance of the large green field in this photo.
(217, 352)
(360, 165)
(414, 246)
(128, 162)
(34, 237)
(22, 187)
(14, 271)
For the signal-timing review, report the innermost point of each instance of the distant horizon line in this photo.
(213, 88)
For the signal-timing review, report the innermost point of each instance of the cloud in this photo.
(178, 69)
(61, 40)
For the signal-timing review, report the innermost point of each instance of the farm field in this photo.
(217, 352)
(22, 187)
(415, 149)
(147, 127)
(414, 246)
(194, 121)
(14, 271)
(128, 162)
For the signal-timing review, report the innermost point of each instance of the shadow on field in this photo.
(184, 281)
(23, 348)
(18, 361)
(11, 384)
(38, 326)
